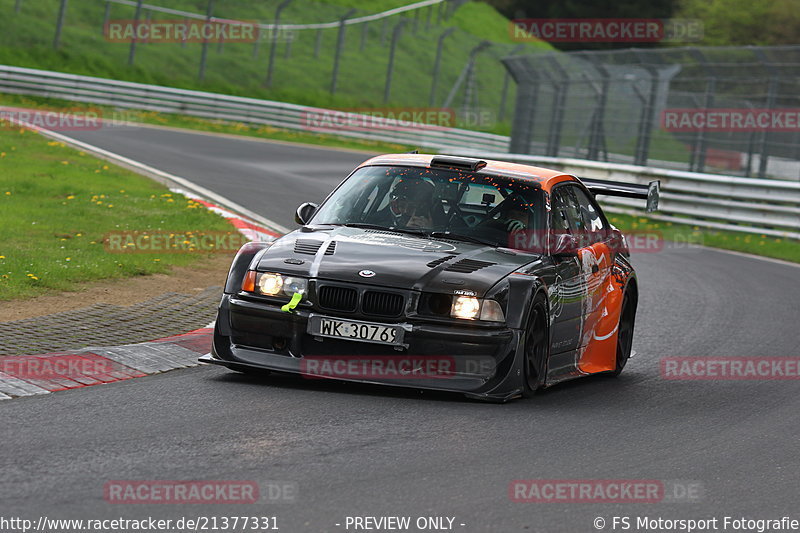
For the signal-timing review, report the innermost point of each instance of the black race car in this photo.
(487, 278)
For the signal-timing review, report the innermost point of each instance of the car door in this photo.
(595, 258)
(567, 292)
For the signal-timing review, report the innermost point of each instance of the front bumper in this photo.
(484, 362)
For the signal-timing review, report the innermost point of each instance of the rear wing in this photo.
(648, 192)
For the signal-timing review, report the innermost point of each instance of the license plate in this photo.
(355, 330)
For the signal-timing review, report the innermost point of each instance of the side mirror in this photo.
(564, 245)
(304, 213)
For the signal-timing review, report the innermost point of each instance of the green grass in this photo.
(211, 126)
(57, 205)
(776, 247)
(302, 78)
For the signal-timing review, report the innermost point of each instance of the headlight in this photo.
(470, 308)
(467, 307)
(274, 284)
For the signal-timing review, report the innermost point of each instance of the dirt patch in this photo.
(124, 292)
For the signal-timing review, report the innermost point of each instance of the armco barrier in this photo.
(761, 206)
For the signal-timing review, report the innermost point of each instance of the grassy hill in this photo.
(299, 76)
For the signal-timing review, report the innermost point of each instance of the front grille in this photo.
(467, 266)
(382, 303)
(338, 298)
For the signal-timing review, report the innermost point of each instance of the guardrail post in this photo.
(62, 13)
(428, 18)
(339, 47)
(524, 118)
(642, 150)
(384, 30)
(273, 46)
(763, 158)
(17, 6)
(106, 15)
(467, 75)
(561, 86)
(289, 38)
(204, 52)
(415, 27)
(317, 43)
(398, 29)
(437, 64)
(147, 25)
(137, 14)
(364, 30)
(597, 141)
(501, 114)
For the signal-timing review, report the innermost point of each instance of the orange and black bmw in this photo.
(487, 278)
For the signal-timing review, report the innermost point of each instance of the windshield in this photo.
(486, 209)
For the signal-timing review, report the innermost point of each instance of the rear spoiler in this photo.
(648, 192)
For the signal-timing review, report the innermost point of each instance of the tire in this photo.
(537, 347)
(627, 319)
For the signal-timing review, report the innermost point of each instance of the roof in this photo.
(547, 178)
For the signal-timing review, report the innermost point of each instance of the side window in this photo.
(591, 217)
(559, 217)
(565, 205)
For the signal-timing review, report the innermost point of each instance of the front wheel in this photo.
(537, 341)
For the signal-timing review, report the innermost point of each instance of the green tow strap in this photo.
(292, 303)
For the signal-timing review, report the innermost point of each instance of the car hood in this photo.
(397, 260)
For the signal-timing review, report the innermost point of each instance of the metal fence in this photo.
(128, 95)
(618, 106)
(306, 51)
(752, 205)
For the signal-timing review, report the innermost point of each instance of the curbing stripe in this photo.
(102, 364)
(107, 364)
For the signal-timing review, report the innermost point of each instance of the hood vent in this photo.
(307, 246)
(331, 248)
(468, 266)
(437, 262)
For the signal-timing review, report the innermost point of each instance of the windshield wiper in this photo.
(459, 237)
(363, 225)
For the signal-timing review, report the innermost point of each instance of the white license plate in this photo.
(355, 330)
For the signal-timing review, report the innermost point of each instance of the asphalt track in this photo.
(360, 450)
